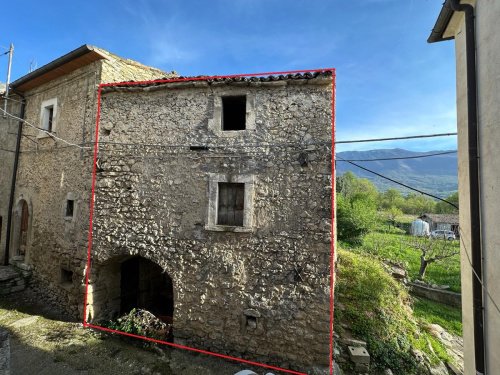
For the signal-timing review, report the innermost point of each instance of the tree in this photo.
(418, 204)
(351, 187)
(432, 250)
(445, 208)
(357, 200)
(392, 198)
(392, 214)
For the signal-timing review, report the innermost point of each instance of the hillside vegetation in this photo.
(378, 310)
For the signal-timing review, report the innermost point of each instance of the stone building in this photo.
(212, 206)
(50, 214)
(212, 202)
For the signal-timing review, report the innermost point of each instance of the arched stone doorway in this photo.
(144, 285)
(124, 283)
(21, 230)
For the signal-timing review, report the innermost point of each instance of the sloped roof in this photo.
(320, 76)
(442, 218)
(65, 64)
(441, 24)
(69, 62)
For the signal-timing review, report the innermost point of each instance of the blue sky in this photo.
(390, 82)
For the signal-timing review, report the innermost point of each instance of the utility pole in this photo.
(7, 83)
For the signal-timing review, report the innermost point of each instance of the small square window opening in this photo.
(66, 277)
(231, 204)
(70, 207)
(234, 110)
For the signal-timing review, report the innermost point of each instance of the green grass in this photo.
(377, 310)
(450, 318)
(390, 244)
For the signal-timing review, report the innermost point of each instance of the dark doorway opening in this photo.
(23, 234)
(144, 285)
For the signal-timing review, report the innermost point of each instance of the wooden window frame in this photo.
(213, 202)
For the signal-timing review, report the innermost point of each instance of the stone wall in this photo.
(261, 292)
(52, 171)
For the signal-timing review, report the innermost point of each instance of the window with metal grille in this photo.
(231, 204)
(234, 110)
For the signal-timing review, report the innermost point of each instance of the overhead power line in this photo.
(398, 183)
(42, 130)
(405, 157)
(475, 273)
(398, 138)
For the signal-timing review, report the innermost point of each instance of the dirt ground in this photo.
(43, 341)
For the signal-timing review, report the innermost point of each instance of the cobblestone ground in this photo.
(44, 342)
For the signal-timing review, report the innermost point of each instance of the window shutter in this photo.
(231, 204)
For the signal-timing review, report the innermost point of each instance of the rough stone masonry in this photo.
(234, 218)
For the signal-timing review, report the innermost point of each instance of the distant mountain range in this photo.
(433, 174)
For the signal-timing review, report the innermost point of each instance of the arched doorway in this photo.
(144, 285)
(127, 282)
(19, 246)
(23, 229)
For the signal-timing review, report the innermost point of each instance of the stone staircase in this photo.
(14, 277)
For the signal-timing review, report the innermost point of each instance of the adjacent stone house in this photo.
(212, 202)
(50, 215)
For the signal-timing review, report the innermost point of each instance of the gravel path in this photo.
(43, 342)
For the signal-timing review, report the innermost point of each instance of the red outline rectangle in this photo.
(332, 233)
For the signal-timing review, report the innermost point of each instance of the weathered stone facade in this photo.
(260, 290)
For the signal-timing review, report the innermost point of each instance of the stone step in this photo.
(13, 279)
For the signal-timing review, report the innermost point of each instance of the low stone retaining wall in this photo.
(437, 295)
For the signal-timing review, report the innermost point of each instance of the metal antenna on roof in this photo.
(33, 65)
(7, 82)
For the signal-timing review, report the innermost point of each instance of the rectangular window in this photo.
(70, 205)
(48, 117)
(231, 204)
(234, 110)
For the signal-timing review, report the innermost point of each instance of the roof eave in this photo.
(80, 51)
(441, 24)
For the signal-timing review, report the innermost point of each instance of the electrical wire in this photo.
(397, 138)
(475, 273)
(43, 130)
(406, 157)
(398, 183)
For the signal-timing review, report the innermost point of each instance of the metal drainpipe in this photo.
(474, 186)
(13, 182)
